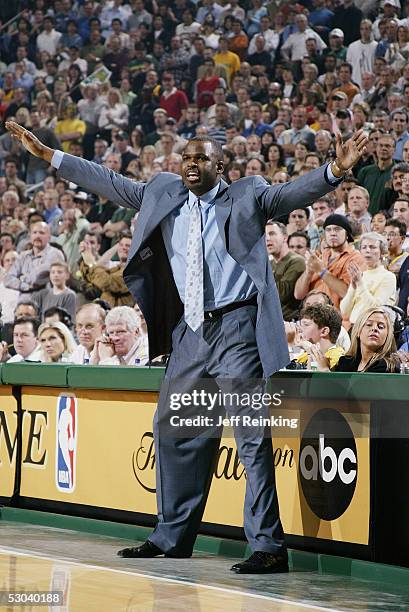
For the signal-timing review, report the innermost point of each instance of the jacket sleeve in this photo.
(279, 200)
(98, 179)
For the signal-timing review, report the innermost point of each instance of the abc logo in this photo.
(328, 464)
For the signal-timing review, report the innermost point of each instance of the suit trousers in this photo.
(220, 357)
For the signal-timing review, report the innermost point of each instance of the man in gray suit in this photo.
(199, 270)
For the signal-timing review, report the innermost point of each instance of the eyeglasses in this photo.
(392, 235)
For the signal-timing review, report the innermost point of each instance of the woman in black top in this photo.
(373, 347)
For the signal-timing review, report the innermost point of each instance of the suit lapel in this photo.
(150, 217)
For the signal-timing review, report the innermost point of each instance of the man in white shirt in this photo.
(361, 53)
(89, 325)
(49, 38)
(271, 37)
(188, 28)
(294, 47)
(25, 341)
(124, 343)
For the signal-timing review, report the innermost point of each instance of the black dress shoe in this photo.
(262, 562)
(147, 550)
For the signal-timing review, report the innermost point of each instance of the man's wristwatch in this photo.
(336, 170)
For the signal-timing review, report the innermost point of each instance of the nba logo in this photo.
(66, 437)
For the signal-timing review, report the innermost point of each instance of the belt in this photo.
(219, 312)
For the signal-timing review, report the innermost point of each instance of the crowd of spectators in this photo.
(126, 83)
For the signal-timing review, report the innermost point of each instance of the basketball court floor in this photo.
(89, 576)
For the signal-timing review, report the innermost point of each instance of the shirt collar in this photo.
(205, 199)
(133, 350)
(41, 253)
(348, 248)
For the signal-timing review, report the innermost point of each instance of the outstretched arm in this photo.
(279, 200)
(91, 177)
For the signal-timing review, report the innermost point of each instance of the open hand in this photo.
(316, 354)
(350, 152)
(314, 263)
(355, 274)
(29, 141)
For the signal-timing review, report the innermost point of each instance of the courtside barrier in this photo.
(78, 441)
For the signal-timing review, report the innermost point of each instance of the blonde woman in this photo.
(23, 117)
(56, 342)
(373, 347)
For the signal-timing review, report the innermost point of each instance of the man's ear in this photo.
(325, 331)
(220, 166)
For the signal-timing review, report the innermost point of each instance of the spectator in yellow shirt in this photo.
(70, 127)
(226, 58)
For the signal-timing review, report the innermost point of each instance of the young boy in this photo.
(319, 327)
(58, 294)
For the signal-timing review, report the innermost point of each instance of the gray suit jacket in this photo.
(242, 210)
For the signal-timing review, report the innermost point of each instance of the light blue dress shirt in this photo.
(225, 281)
